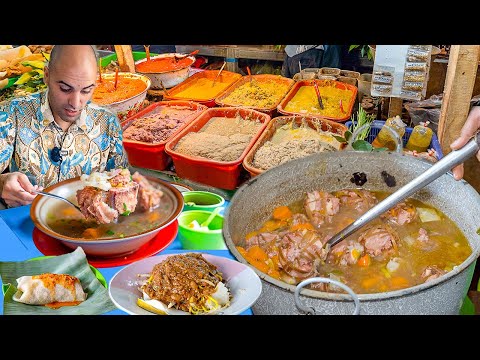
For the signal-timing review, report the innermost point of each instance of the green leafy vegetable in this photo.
(110, 232)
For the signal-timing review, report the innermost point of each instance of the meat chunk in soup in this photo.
(149, 197)
(299, 252)
(267, 241)
(320, 207)
(359, 199)
(379, 239)
(114, 194)
(432, 272)
(346, 252)
(401, 214)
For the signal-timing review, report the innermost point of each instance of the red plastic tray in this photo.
(225, 76)
(347, 107)
(48, 245)
(225, 175)
(153, 156)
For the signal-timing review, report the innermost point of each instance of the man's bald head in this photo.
(64, 53)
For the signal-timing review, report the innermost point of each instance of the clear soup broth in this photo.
(68, 221)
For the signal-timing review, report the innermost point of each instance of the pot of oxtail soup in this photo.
(417, 258)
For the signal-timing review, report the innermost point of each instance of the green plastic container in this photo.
(137, 55)
(201, 200)
(200, 240)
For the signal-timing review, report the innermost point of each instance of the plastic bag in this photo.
(425, 110)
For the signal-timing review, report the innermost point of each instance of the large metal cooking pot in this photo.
(253, 203)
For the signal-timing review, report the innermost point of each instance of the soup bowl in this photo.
(132, 104)
(45, 209)
(254, 202)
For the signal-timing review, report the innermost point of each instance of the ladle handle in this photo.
(453, 159)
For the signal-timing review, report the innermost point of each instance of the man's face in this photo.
(71, 85)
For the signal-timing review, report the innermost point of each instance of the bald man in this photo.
(57, 134)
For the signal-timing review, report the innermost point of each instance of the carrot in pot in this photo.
(364, 261)
(257, 253)
(282, 213)
(304, 226)
(399, 282)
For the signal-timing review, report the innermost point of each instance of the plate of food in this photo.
(54, 285)
(187, 283)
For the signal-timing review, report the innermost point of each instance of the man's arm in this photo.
(117, 157)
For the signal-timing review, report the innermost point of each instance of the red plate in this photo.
(48, 245)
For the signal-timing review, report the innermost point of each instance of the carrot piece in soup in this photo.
(399, 282)
(282, 213)
(364, 261)
(91, 233)
(303, 226)
(257, 253)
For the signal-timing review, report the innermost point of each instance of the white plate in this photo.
(243, 283)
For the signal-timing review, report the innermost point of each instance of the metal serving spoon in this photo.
(454, 158)
(56, 197)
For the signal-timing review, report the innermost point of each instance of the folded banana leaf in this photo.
(75, 264)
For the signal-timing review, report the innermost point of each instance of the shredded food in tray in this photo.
(220, 139)
(187, 282)
(159, 124)
(305, 101)
(258, 94)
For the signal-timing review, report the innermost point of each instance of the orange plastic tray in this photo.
(261, 78)
(347, 107)
(224, 175)
(153, 156)
(225, 76)
(275, 123)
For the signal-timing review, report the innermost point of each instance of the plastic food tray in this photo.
(261, 78)
(378, 124)
(275, 123)
(225, 175)
(225, 76)
(348, 107)
(153, 156)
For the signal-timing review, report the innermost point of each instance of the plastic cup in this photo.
(191, 239)
(201, 200)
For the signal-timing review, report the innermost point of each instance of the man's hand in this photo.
(469, 129)
(17, 189)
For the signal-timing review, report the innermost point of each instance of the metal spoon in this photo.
(453, 159)
(56, 197)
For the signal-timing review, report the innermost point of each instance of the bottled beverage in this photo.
(385, 138)
(420, 138)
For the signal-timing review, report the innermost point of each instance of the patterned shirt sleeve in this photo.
(7, 136)
(117, 157)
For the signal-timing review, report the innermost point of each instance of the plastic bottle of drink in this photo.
(420, 138)
(385, 138)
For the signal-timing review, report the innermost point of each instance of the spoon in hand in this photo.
(56, 197)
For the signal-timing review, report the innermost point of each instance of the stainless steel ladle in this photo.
(454, 158)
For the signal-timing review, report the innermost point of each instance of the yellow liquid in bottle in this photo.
(385, 138)
(419, 139)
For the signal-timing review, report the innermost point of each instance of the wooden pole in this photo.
(125, 58)
(457, 93)
(395, 107)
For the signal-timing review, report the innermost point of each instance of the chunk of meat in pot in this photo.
(379, 239)
(299, 219)
(432, 272)
(401, 214)
(300, 252)
(320, 207)
(359, 199)
(267, 241)
(346, 252)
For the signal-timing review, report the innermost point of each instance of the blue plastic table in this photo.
(16, 244)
